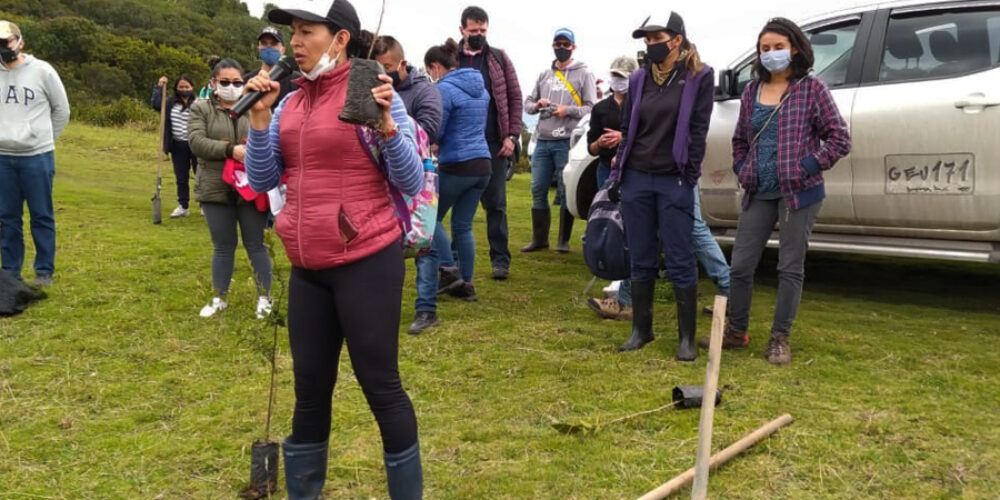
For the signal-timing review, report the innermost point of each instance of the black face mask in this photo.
(657, 52)
(395, 78)
(477, 42)
(185, 94)
(7, 55)
(563, 55)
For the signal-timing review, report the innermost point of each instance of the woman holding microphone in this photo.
(343, 239)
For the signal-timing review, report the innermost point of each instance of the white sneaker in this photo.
(216, 306)
(202, 210)
(612, 289)
(263, 307)
(179, 212)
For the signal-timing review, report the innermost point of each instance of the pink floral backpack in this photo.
(417, 214)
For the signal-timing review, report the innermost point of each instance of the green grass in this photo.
(113, 387)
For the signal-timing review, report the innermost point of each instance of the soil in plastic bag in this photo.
(263, 470)
(360, 107)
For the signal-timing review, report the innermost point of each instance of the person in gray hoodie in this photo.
(34, 110)
(563, 95)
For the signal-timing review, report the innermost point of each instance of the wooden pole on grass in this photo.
(700, 489)
(680, 482)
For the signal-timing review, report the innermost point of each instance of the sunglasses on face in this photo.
(562, 45)
(234, 83)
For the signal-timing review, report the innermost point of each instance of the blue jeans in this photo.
(462, 194)
(603, 172)
(27, 179)
(549, 159)
(707, 250)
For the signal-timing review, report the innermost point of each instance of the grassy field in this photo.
(113, 387)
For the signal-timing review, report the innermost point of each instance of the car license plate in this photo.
(952, 174)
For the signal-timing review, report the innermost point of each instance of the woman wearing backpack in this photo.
(664, 126)
(343, 238)
(789, 131)
(175, 137)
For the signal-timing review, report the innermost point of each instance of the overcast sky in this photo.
(722, 29)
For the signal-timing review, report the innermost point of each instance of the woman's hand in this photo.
(162, 82)
(239, 153)
(260, 113)
(383, 97)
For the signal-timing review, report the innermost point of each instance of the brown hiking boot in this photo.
(731, 339)
(610, 308)
(778, 351)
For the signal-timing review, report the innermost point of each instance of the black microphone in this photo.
(281, 69)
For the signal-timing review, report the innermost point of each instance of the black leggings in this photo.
(358, 303)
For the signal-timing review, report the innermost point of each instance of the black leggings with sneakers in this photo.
(358, 304)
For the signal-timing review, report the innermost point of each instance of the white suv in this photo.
(919, 85)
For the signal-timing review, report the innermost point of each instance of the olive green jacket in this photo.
(212, 134)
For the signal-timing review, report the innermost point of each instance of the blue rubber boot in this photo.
(305, 469)
(405, 474)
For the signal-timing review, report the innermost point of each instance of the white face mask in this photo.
(229, 93)
(324, 65)
(619, 84)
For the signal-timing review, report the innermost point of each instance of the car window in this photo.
(832, 49)
(940, 44)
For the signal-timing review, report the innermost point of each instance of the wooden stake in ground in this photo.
(700, 489)
(157, 207)
(680, 482)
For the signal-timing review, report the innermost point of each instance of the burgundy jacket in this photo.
(506, 90)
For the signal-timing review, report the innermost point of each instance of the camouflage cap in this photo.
(9, 30)
(623, 66)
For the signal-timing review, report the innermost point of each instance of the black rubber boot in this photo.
(687, 322)
(642, 315)
(305, 469)
(405, 474)
(540, 222)
(565, 230)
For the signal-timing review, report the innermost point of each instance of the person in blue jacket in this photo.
(464, 172)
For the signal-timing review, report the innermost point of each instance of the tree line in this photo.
(109, 53)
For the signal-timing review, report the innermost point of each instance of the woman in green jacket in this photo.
(215, 137)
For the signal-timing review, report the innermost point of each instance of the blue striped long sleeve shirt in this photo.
(264, 163)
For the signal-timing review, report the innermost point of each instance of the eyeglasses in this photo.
(562, 45)
(234, 83)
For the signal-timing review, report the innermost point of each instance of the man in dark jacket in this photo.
(270, 48)
(421, 97)
(503, 126)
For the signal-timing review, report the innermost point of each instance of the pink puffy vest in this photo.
(338, 208)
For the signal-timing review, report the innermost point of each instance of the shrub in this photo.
(124, 111)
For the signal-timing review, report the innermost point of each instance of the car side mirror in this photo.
(725, 88)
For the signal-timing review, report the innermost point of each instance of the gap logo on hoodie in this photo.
(14, 95)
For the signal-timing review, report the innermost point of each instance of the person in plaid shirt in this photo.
(789, 131)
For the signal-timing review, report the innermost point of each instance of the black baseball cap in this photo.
(340, 14)
(272, 32)
(675, 24)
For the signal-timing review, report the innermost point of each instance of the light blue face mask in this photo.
(776, 61)
(270, 55)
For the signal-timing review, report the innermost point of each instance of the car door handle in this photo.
(976, 101)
